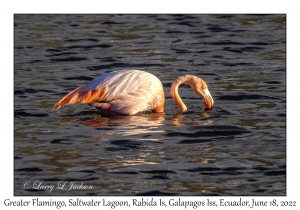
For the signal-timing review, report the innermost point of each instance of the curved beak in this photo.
(207, 99)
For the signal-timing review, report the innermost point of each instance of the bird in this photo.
(128, 92)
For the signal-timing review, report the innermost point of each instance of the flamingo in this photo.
(131, 91)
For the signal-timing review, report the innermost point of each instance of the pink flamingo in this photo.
(131, 91)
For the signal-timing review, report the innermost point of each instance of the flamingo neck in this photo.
(174, 90)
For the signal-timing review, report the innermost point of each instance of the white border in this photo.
(9, 8)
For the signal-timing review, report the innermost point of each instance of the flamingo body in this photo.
(131, 91)
(125, 92)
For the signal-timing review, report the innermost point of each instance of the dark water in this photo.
(238, 148)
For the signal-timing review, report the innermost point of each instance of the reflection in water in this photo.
(138, 124)
(144, 120)
(126, 125)
(147, 120)
(139, 161)
(180, 119)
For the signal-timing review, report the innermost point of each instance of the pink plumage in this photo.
(126, 92)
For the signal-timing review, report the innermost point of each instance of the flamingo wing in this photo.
(126, 92)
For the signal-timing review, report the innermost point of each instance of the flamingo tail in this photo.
(81, 95)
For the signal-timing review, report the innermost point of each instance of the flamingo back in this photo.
(127, 92)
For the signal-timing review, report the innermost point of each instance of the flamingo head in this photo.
(200, 87)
